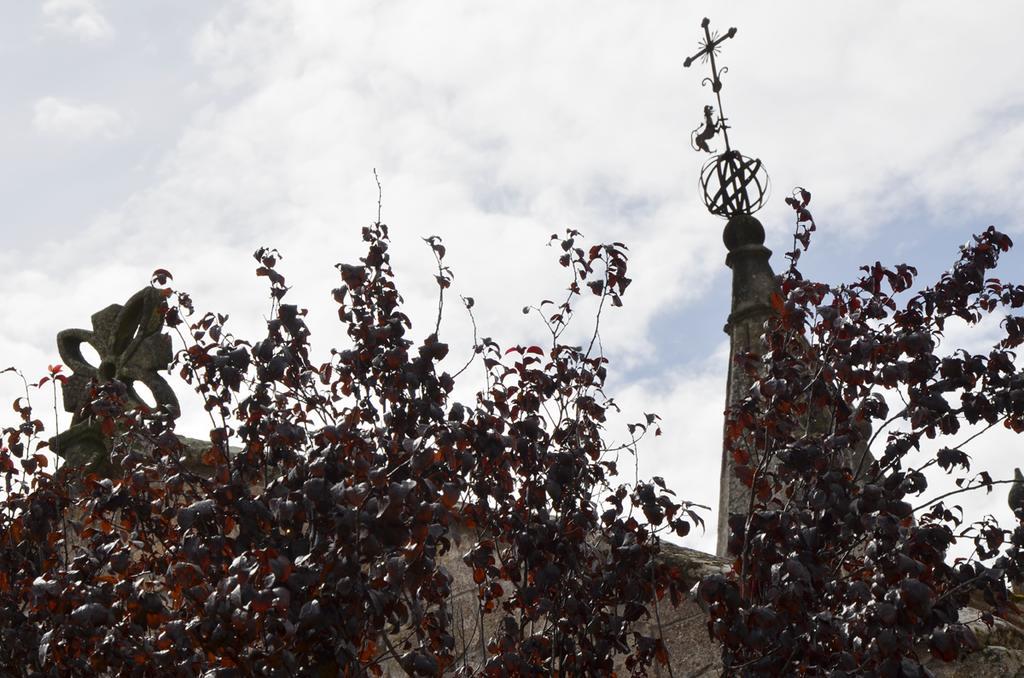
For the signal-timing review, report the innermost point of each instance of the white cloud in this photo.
(64, 118)
(79, 18)
(688, 454)
(519, 127)
(496, 125)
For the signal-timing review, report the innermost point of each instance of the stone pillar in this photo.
(753, 282)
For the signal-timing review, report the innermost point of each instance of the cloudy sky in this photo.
(144, 134)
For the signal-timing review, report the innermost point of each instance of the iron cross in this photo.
(708, 48)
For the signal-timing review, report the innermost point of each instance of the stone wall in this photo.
(691, 651)
(683, 628)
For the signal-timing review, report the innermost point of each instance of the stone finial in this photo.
(742, 230)
(753, 279)
(131, 350)
(1016, 496)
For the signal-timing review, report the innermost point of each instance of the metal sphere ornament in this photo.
(734, 184)
(731, 182)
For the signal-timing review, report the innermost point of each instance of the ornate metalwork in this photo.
(731, 182)
(734, 184)
(709, 47)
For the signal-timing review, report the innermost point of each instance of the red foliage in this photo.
(841, 567)
(311, 541)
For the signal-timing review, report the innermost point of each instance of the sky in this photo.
(145, 134)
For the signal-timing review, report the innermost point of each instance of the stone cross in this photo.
(133, 350)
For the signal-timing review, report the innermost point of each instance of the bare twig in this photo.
(380, 193)
(969, 488)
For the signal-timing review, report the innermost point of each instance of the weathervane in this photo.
(731, 182)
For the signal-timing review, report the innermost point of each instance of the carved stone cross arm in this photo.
(131, 349)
